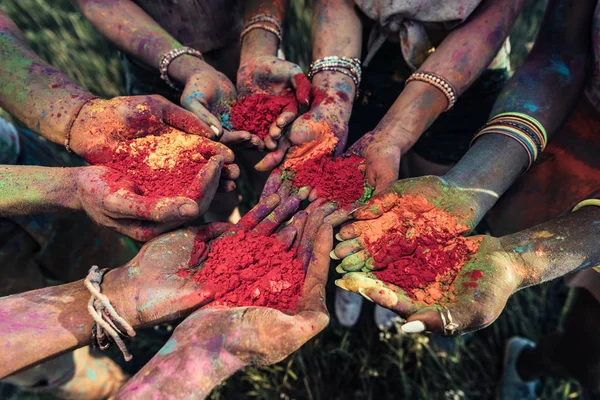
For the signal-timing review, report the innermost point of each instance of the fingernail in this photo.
(188, 210)
(338, 237)
(215, 130)
(340, 270)
(247, 137)
(363, 294)
(413, 327)
(333, 256)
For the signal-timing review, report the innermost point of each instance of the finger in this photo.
(274, 158)
(287, 236)
(206, 183)
(340, 215)
(258, 213)
(378, 205)
(303, 88)
(200, 111)
(270, 143)
(298, 222)
(315, 220)
(226, 186)
(272, 185)
(287, 116)
(285, 189)
(349, 231)
(378, 292)
(313, 291)
(230, 172)
(129, 205)
(212, 231)
(346, 248)
(385, 169)
(230, 138)
(458, 318)
(276, 218)
(184, 120)
(313, 195)
(143, 230)
(355, 262)
(224, 151)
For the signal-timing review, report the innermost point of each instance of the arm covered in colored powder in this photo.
(37, 94)
(546, 87)
(129, 27)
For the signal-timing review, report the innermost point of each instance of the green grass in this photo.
(360, 363)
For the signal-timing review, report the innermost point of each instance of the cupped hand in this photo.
(379, 211)
(158, 284)
(209, 94)
(114, 201)
(102, 124)
(273, 76)
(213, 343)
(479, 292)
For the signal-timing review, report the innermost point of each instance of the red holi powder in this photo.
(340, 180)
(257, 112)
(249, 269)
(423, 253)
(165, 165)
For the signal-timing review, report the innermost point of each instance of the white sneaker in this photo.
(347, 307)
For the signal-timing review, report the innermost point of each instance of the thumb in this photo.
(303, 88)
(201, 111)
(377, 206)
(274, 158)
(450, 320)
(384, 168)
(205, 185)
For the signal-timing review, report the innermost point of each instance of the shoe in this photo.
(512, 387)
(385, 318)
(347, 307)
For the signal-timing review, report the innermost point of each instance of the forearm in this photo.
(555, 248)
(336, 31)
(37, 94)
(546, 87)
(462, 56)
(259, 42)
(133, 31)
(194, 366)
(30, 190)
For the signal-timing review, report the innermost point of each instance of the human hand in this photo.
(229, 338)
(378, 213)
(477, 296)
(102, 124)
(159, 278)
(209, 94)
(113, 200)
(273, 76)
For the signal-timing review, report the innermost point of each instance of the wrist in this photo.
(185, 66)
(257, 43)
(62, 188)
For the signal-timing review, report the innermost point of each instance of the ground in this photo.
(360, 363)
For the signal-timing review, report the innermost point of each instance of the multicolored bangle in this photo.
(265, 22)
(438, 82)
(167, 59)
(344, 65)
(524, 129)
(585, 203)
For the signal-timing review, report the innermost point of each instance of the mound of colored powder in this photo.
(423, 251)
(255, 113)
(165, 165)
(341, 180)
(248, 269)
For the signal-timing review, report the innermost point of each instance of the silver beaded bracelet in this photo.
(344, 65)
(439, 83)
(167, 59)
